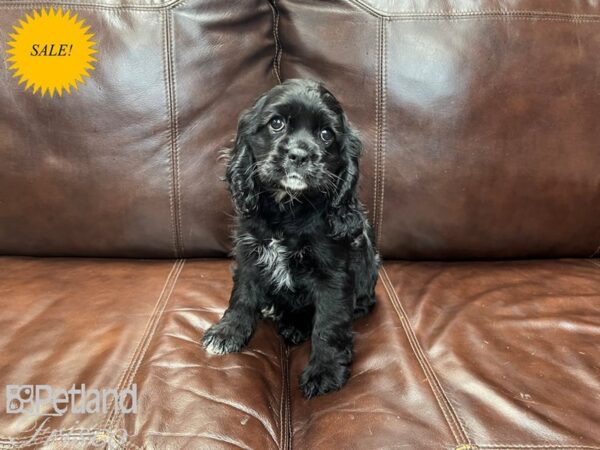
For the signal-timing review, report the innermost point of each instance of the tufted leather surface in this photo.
(497, 355)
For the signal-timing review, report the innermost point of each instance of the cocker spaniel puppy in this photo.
(304, 250)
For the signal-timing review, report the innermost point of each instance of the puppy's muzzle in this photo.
(297, 157)
(296, 162)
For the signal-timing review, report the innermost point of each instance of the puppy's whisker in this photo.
(333, 175)
(330, 187)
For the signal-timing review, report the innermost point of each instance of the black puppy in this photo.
(304, 249)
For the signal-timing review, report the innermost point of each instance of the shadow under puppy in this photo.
(304, 249)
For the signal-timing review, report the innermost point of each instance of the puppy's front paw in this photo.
(224, 338)
(319, 379)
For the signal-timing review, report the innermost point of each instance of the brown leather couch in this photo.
(481, 120)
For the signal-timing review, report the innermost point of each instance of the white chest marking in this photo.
(273, 260)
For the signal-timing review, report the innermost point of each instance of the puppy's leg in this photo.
(295, 326)
(236, 326)
(331, 352)
(365, 291)
(364, 267)
(364, 305)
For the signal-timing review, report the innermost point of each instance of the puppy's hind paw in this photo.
(321, 379)
(294, 336)
(364, 306)
(223, 338)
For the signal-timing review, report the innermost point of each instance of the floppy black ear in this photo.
(240, 172)
(351, 149)
(345, 216)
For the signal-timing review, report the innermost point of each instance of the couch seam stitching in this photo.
(139, 344)
(490, 15)
(119, 415)
(425, 15)
(278, 48)
(170, 131)
(285, 407)
(469, 12)
(288, 401)
(445, 406)
(502, 17)
(91, 6)
(435, 393)
(377, 129)
(383, 118)
(281, 398)
(128, 369)
(144, 342)
(176, 123)
(173, 132)
(455, 415)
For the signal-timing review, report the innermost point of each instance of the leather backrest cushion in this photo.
(481, 118)
(128, 165)
(480, 122)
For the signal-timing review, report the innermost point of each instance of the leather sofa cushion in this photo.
(480, 119)
(128, 164)
(493, 355)
(514, 346)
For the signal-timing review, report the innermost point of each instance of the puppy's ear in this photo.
(240, 172)
(345, 218)
(351, 149)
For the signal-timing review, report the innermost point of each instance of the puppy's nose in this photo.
(297, 156)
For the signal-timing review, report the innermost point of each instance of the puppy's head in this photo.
(295, 139)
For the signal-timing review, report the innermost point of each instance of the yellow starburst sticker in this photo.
(51, 51)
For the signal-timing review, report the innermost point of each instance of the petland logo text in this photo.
(45, 400)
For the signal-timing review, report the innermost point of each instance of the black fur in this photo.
(303, 247)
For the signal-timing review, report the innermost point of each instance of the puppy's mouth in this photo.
(294, 182)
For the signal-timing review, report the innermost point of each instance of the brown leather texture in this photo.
(128, 165)
(512, 346)
(497, 355)
(480, 119)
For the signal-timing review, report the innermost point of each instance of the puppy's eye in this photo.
(326, 135)
(277, 123)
